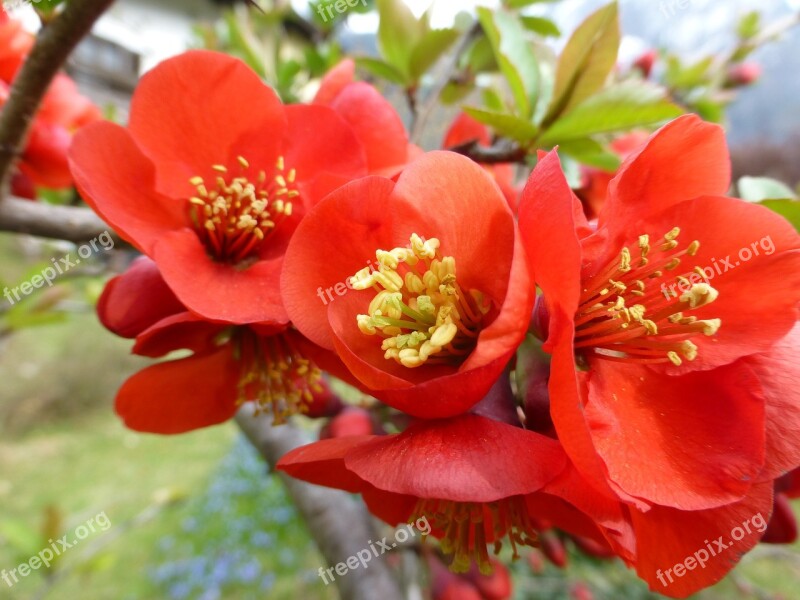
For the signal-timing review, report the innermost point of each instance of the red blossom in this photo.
(453, 295)
(210, 179)
(668, 398)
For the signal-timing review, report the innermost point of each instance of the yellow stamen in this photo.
(420, 310)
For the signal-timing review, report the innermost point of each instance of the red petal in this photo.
(117, 181)
(667, 537)
(219, 291)
(136, 300)
(335, 81)
(466, 129)
(200, 109)
(466, 459)
(317, 263)
(779, 373)
(183, 331)
(376, 124)
(692, 442)
(340, 158)
(180, 395)
(548, 221)
(685, 159)
(45, 157)
(757, 297)
(322, 463)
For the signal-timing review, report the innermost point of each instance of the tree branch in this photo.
(340, 526)
(53, 46)
(492, 155)
(424, 111)
(46, 220)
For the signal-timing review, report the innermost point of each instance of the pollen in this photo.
(469, 527)
(420, 310)
(633, 314)
(275, 375)
(236, 213)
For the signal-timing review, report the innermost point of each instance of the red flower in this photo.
(465, 129)
(449, 312)
(666, 385)
(210, 179)
(473, 482)
(63, 110)
(228, 366)
(372, 117)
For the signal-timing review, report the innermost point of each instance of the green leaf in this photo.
(243, 45)
(587, 60)
(590, 152)
(617, 108)
(514, 56)
(381, 69)
(749, 25)
(480, 56)
(398, 33)
(493, 100)
(524, 3)
(789, 209)
(540, 25)
(504, 124)
(756, 189)
(678, 76)
(432, 45)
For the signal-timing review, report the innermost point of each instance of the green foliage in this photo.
(409, 46)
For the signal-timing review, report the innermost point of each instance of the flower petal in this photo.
(200, 109)
(117, 181)
(692, 442)
(703, 540)
(779, 373)
(219, 291)
(685, 159)
(136, 300)
(180, 395)
(466, 459)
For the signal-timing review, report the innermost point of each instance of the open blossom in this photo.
(211, 177)
(228, 365)
(431, 321)
(479, 483)
(62, 112)
(673, 382)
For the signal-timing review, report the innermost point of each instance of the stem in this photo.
(46, 220)
(431, 100)
(340, 526)
(499, 153)
(54, 44)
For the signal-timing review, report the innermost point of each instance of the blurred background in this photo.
(198, 516)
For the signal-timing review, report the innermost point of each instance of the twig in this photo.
(46, 220)
(492, 155)
(53, 46)
(431, 100)
(340, 526)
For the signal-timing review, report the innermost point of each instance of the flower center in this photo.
(233, 216)
(465, 524)
(275, 375)
(628, 312)
(420, 310)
